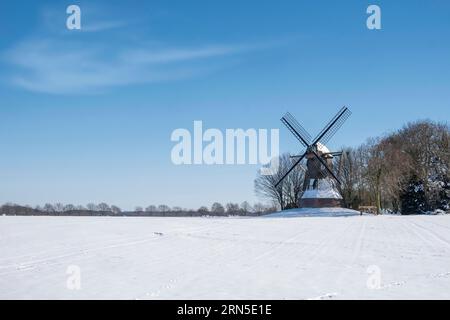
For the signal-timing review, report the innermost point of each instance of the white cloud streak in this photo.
(61, 67)
(58, 61)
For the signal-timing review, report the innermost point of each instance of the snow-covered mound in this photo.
(321, 194)
(314, 212)
(322, 148)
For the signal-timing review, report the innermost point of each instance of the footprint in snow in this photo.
(393, 284)
(325, 296)
(21, 268)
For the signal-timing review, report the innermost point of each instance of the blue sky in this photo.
(86, 115)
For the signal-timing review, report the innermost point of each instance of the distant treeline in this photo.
(103, 209)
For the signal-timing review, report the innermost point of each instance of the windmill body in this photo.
(319, 190)
(321, 184)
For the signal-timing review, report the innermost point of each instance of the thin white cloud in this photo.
(59, 67)
(59, 61)
(177, 55)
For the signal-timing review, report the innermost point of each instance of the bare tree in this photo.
(139, 209)
(104, 207)
(217, 208)
(151, 208)
(48, 207)
(347, 173)
(163, 208)
(232, 208)
(246, 207)
(288, 192)
(258, 207)
(115, 209)
(203, 210)
(59, 207)
(69, 207)
(92, 207)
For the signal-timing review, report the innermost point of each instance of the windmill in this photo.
(319, 187)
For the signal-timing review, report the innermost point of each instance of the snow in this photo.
(351, 257)
(322, 148)
(314, 212)
(325, 190)
(437, 211)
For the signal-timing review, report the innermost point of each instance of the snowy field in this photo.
(354, 257)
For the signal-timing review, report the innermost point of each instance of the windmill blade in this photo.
(330, 129)
(326, 167)
(298, 132)
(297, 126)
(334, 154)
(301, 166)
(343, 170)
(317, 166)
(290, 169)
(324, 172)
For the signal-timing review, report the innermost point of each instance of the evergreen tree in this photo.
(413, 197)
(444, 199)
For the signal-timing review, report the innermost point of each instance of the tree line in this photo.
(407, 171)
(103, 209)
